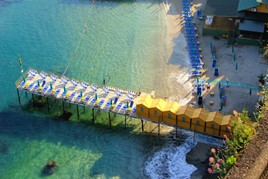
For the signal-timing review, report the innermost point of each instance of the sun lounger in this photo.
(133, 110)
(21, 84)
(118, 93)
(84, 84)
(74, 82)
(115, 100)
(92, 102)
(32, 72)
(44, 89)
(78, 97)
(118, 106)
(35, 87)
(131, 104)
(105, 89)
(57, 92)
(124, 107)
(72, 95)
(54, 77)
(101, 102)
(30, 86)
(94, 87)
(64, 80)
(108, 104)
(86, 99)
(43, 74)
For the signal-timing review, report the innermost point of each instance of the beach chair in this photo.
(78, 97)
(101, 102)
(64, 80)
(133, 110)
(108, 104)
(105, 90)
(35, 87)
(54, 77)
(117, 92)
(32, 72)
(72, 95)
(94, 87)
(30, 86)
(22, 83)
(124, 108)
(43, 75)
(86, 99)
(118, 106)
(131, 104)
(57, 92)
(74, 82)
(45, 89)
(84, 84)
(115, 100)
(92, 102)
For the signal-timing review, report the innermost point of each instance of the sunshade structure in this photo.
(222, 8)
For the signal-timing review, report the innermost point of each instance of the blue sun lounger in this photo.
(49, 90)
(115, 100)
(57, 92)
(101, 102)
(118, 106)
(72, 95)
(22, 84)
(44, 89)
(93, 101)
(131, 104)
(86, 99)
(78, 97)
(35, 87)
(124, 107)
(30, 86)
(133, 110)
(108, 104)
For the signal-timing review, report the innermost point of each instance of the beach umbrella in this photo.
(111, 101)
(38, 83)
(50, 84)
(24, 79)
(197, 80)
(64, 89)
(81, 93)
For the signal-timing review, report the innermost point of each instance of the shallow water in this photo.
(122, 39)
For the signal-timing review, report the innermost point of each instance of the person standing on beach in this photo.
(208, 87)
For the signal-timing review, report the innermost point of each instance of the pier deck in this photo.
(81, 93)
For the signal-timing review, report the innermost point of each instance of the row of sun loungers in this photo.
(51, 85)
(191, 37)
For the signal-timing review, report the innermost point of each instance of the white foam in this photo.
(170, 161)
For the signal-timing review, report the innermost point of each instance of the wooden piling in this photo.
(77, 111)
(110, 122)
(63, 109)
(176, 126)
(47, 105)
(142, 126)
(93, 118)
(125, 121)
(18, 96)
(33, 98)
(158, 127)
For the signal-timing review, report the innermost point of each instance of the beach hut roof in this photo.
(226, 120)
(172, 106)
(201, 113)
(216, 117)
(186, 110)
(159, 104)
(145, 100)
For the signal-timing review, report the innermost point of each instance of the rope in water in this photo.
(78, 44)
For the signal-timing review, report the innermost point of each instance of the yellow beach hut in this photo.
(142, 106)
(214, 121)
(156, 109)
(226, 125)
(199, 118)
(184, 115)
(169, 113)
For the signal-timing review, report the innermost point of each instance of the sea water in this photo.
(123, 41)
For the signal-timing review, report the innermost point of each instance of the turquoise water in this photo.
(122, 39)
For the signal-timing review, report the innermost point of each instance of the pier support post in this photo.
(142, 126)
(84, 108)
(33, 99)
(125, 121)
(77, 111)
(63, 109)
(158, 127)
(110, 122)
(18, 96)
(93, 118)
(176, 127)
(47, 105)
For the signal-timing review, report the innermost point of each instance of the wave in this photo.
(170, 161)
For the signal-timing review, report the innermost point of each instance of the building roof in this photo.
(200, 113)
(145, 100)
(226, 120)
(246, 4)
(216, 117)
(186, 110)
(159, 104)
(251, 26)
(263, 1)
(226, 8)
(172, 107)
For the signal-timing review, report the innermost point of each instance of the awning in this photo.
(252, 26)
(222, 8)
